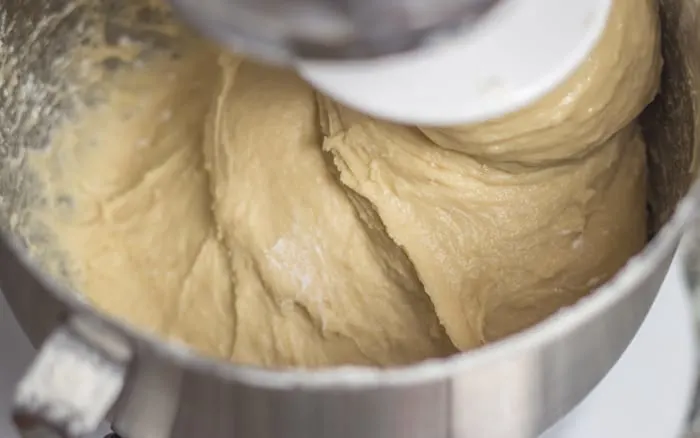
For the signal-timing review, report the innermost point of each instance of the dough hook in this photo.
(438, 62)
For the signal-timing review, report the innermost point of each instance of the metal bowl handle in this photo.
(73, 383)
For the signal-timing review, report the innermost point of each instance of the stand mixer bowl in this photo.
(91, 367)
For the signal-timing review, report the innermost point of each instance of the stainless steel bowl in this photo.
(91, 367)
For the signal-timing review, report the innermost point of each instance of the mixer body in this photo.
(148, 388)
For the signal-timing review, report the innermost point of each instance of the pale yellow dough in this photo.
(228, 206)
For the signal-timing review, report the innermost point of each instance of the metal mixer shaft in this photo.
(279, 30)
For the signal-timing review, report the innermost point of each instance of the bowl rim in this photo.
(558, 325)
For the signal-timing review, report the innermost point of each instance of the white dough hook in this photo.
(519, 52)
(434, 62)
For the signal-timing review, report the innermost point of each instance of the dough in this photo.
(496, 251)
(128, 206)
(317, 281)
(228, 206)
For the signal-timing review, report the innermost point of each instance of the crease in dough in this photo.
(318, 288)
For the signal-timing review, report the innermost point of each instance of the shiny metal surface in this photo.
(279, 30)
(515, 388)
(690, 251)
